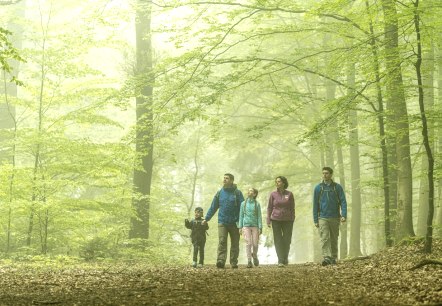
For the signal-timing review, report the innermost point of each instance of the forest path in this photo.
(385, 278)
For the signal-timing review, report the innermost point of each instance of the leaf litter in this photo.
(393, 276)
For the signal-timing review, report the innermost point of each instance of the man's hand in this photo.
(204, 222)
(316, 224)
(343, 219)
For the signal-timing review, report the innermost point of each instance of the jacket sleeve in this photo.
(341, 195)
(292, 204)
(315, 204)
(213, 208)
(269, 209)
(241, 215)
(188, 224)
(241, 196)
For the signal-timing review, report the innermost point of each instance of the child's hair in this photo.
(255, 191)
(200, 209)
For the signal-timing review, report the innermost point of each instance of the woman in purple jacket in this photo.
(280, 216)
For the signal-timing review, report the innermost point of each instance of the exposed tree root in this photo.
(425, 262)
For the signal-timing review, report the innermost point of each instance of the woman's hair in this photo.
(284, 181)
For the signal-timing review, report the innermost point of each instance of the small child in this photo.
(250, 224)
(198, 235)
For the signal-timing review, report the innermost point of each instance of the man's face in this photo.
(227, 181)
(326, 175)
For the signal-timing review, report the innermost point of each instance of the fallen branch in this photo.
(357, 258)
(425, 262)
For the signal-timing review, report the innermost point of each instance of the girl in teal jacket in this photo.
(250, 225)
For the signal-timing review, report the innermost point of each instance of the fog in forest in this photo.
(118, 118)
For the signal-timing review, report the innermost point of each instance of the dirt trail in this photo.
(382, 279)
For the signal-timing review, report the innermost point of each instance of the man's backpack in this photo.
(236, 196)
(333, 184)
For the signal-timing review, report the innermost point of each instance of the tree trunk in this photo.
(7, 111)
(343, 245)
(382, 136)
(144, 127)
(355, 229)
(425, 134)
(37, 152)
(439, 131)
(428, 92)
(398, 107)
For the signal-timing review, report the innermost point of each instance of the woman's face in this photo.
(279, 183)
(251, 193)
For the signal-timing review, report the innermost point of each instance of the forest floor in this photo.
(390, 277)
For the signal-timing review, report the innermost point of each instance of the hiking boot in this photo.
(200, 265)
(220, 265)
(234, 266)
(326, 261)
(255, 261)
(281, 265)
(333, 261)
(249, 264)
(194, 264)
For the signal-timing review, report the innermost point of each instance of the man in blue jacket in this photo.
(228, 200)
(329, 209)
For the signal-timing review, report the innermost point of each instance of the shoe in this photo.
(255, 261)
(249, 264)
(281, 265)
(194, 264)
(333, 261)
(326, 261)
(220, 265)
(200, 265)
(234, 266)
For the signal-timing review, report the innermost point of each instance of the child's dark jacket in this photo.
(198, 233)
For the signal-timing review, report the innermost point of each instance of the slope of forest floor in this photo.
(390, 277)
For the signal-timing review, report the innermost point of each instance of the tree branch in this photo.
(9, 2)
(425, 262)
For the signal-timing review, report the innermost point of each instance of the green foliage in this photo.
(8, 53)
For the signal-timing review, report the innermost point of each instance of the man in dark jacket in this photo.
(228, 200)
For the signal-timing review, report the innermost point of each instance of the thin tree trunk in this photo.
(343, 245)
(428, 92)
(144, 128)
(355, 228)
(37, 153)
(429, 233)
(7, 112)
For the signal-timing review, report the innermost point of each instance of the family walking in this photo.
(239, 216)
